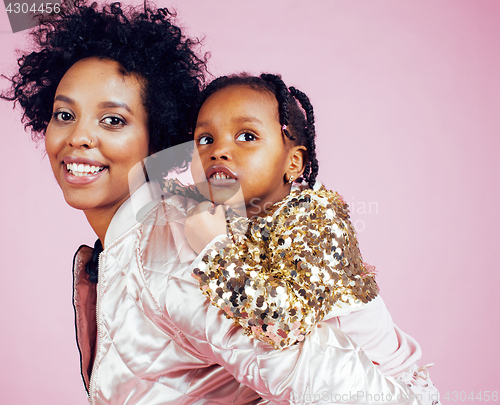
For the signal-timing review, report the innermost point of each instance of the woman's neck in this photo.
(100, 218)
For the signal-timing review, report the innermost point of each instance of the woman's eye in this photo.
(63, 116)
(113, 121)
(246, 137)
(205, 140)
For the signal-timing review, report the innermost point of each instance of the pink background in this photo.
(406, 95)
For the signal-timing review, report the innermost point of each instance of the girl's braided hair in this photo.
(297, 122)
(144, 40)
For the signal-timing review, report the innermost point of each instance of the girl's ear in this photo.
(298, 160)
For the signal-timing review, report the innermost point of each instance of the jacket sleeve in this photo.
(326, 367)
(394, 352)
(277, 276)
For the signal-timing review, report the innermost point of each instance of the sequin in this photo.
(279, 275)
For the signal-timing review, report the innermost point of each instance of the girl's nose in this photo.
(221, 150)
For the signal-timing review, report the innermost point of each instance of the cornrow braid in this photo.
(282, 96)
(297, 121)
(312, 166)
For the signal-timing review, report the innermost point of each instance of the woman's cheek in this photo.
(52, 146)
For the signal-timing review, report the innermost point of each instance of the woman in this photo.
(106, 89)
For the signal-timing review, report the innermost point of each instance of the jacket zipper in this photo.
(94, 367)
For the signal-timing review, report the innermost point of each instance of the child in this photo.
(295, 260)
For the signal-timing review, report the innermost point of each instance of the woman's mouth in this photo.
(79, 169)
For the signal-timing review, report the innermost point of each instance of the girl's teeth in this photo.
(219, 176)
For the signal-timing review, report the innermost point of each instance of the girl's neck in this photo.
(260, 210)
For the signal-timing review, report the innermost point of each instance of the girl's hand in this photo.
(204, 223)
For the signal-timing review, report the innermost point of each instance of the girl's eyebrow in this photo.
(248, 119)
(237, 119)
(202, 124)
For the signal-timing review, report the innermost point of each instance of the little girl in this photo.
(293, 259)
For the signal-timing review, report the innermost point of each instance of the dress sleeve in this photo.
(278, 275)
(326, 367)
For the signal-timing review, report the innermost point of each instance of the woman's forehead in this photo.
(100, 81)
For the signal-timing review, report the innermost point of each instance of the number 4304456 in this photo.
(478, 396)
(25, 8)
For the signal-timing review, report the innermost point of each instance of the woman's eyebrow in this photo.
(104, 104)
(115, 104)
(64, 99)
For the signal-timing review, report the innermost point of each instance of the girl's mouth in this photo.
(221, 179)
(220, 176)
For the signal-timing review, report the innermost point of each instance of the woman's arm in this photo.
(326, 367)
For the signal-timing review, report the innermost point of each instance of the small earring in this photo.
(290, 180)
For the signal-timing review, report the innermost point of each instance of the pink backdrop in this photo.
(407, 98)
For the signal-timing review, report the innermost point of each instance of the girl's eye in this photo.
(63, 116)
(113, 121)
(205, 140)
(246, 137)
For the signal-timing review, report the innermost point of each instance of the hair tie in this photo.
(283, 127)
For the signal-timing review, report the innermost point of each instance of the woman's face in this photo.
(97, 133)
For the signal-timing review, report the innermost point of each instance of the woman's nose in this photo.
(81, 136)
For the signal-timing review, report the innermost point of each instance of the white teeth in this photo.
(79, 169)
(219, 176)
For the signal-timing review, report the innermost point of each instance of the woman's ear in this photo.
(298, 160)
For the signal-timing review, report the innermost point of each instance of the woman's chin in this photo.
(79, 204)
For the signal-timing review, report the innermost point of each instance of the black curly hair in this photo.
(143, 40)
(298, 123)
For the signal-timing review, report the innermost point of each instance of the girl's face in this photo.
(97, 133)
(240, 144)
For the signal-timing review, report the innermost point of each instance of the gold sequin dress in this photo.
(279, 274)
